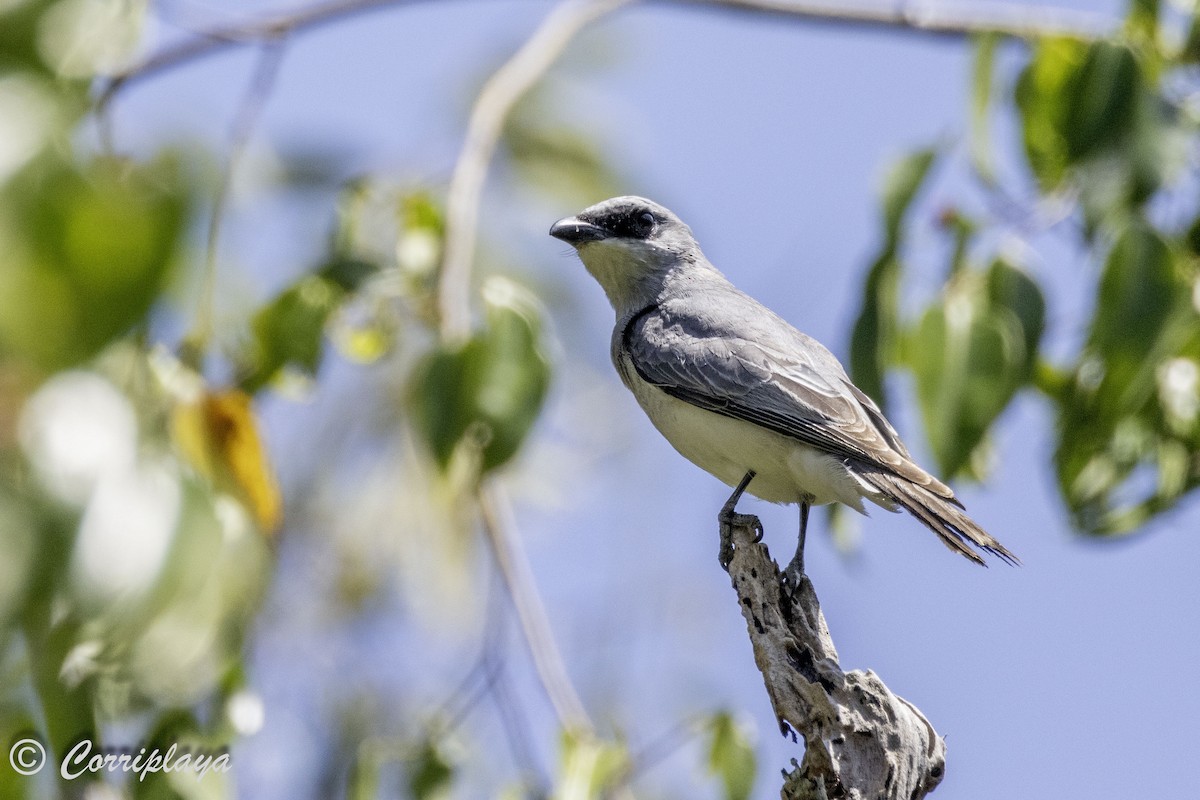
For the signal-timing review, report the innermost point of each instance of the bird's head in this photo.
(630, 245)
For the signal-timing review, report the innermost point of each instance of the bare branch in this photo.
(222, 38)
(861, 742)
(941, 19)
(492, 107)
(945, 19)
(249, 110)
(500, 528)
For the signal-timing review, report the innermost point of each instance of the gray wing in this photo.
(732, 356)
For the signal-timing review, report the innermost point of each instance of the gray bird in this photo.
(740, 392)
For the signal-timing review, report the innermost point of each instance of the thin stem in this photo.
(956, 20)
(224, 37)
(496, 100)
(500, 528)
(943, 19)
(248, 113)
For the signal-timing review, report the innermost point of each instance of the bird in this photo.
(743, 394)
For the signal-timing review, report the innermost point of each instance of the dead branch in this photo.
(861, 742)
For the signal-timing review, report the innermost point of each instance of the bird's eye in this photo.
(647, 219)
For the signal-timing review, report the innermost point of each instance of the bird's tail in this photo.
(943, 516)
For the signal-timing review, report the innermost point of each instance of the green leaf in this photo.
(1011, 288)
(1138, 289)
(1142, 22)
(430, 774)
(1102, 99)
(20, 26)
(1090, 113)
(970, 353)
(290, 330)
(982, 79)
(1042, 97)
(1190, 52)
(731, 756)
(900, 187)
(873, 340)
(488, 391)
(588, 767)
(1131, 409)
(87, 253)
(873, 337)
(561, 161)
(559, 158)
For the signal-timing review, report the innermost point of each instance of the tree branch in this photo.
(943, 19)
(496, 100)
(531, 613)
(262, 83)
(861, 742)
(225, 37)
(954, 20)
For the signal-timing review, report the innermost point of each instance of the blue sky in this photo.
(1072, 676)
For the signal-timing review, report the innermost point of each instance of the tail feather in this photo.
(942, 515)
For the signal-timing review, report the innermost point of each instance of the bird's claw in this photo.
(730, 520)
(793, 574)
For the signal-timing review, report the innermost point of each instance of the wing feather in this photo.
(768, 374)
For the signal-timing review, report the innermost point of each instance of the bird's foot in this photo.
(730, 520)
(793, 573)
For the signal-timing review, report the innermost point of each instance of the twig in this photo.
(659, 749)
(501, 533)
(516, 733)
(227, 36)
(861, 742)
(954, 20)
(485, 670)
(248, 113)
(497, 98)
(944, 19)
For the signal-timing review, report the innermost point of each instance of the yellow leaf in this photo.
(218, 434)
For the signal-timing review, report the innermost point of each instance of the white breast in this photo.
(786, 471)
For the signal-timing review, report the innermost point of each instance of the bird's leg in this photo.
(795, 569)
(730, 519)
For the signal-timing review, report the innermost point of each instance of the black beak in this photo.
(575, 231)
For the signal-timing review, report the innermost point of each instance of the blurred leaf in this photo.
(430, 774)
(20, 26)
(1102, 98)
(963, 229)
(982, 78)
(731, 756)
(87, 254)
(970, 353)
(589, 767)
(1042, 96)
(419, 251)
(1142, 22)
(560, 161)
(555, 157)
(900, 187)
(873, 340)
(1138, 289)
(363, 331)
(1089, 111)
(16, 723)
(219, 436)
(290, 330)
(1011, 288)
(67, 708)
(488, 390)
(1126, 416)
(1190, 52)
